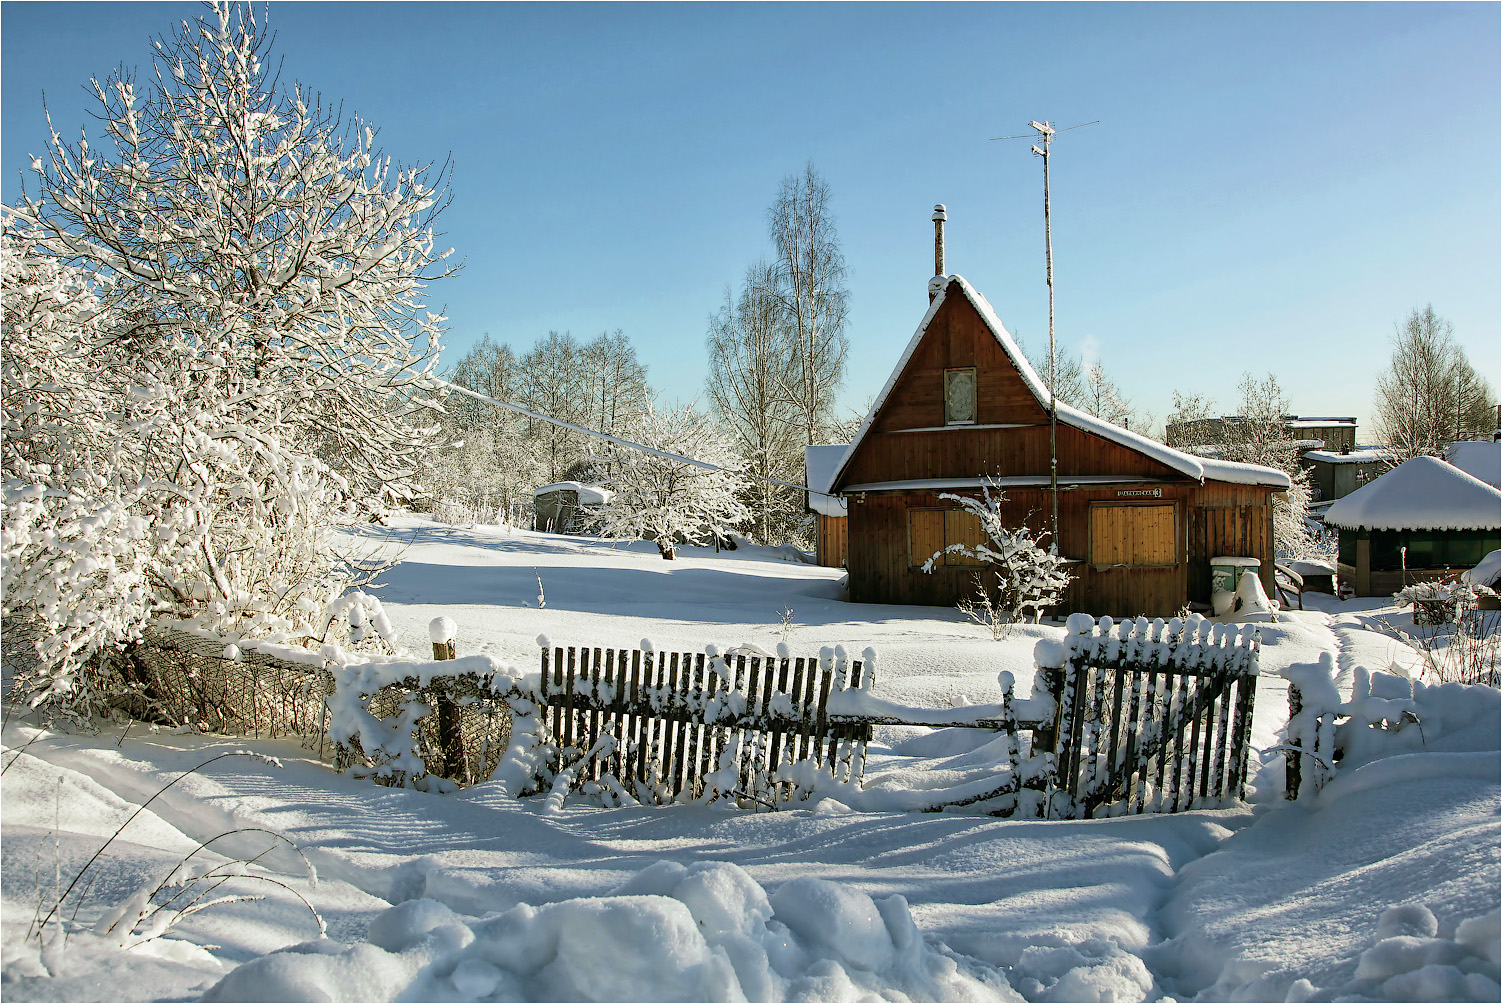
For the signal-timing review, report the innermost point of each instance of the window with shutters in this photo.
(1133, 536)
(930, 531)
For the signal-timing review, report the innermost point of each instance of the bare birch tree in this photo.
(750, 364)
(553, 385)
(615, 382)
(1430, 394)
(811, 286)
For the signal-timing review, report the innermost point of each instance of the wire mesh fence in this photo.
(461, 738)
(188, 680)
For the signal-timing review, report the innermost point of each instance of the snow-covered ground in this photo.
(1383, 887)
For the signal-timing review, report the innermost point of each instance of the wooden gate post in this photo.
(450, 735)
(1293, 767)
(1051, 680)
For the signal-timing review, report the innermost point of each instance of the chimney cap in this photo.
(940, 214)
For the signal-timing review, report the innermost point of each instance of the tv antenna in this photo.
(1048, 132)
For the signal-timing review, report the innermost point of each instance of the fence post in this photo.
(441, 631)
(1293, 757)
(1051, 680)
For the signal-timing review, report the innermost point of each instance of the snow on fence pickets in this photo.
(1322, 728)
(1153, 715)
(1129, 716)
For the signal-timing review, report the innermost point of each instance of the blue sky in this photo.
(1270, 187)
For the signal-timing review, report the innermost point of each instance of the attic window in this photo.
(959, 396)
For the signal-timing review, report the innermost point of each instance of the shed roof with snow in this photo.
(819, 466)
(587, 494)
(1424, 493)
(1482, 460)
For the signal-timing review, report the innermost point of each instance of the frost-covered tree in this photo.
(553, 385)
(614, 383)
(660, 498)
(249, 225)
(216, 349)
(1029, 579)
(134, 490)
(489, 464)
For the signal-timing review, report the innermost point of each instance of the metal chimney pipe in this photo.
(940, 215)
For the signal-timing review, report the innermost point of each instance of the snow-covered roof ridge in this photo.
(1424, 493)
(1245, 474)
(1481, 459)
(1361, 455)
(1177, 460)
(819, 466)
(588, 494)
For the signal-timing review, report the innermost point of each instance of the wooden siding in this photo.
(1134, 534)
(834, 540)
(882, 548)
(908, 441)
(1231, 520)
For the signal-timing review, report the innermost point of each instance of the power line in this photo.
(616, 440)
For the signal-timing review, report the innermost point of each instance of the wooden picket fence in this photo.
(1126, 717)
(669, 720)
(1155, 716)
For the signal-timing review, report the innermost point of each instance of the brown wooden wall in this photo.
(957, 337)
(908, 441)
(833, 540)
(882, 571)
(1234, 520)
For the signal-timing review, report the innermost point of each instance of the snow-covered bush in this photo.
(215, 351)
(660, 497)
(1029, 578)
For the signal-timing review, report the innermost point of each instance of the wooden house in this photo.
(1423, 520)
(1139, 521)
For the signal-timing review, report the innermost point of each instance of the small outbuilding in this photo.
(1424, 520)
(1138, 521)
(1337, 473)
(819, 466)
(558, 508)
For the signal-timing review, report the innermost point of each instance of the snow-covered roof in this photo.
(1369, 455)
(819, 466)
(1320, 423)
(1244, 474)
(1482, 461)
(1424, 493)
(1487, 571)
(1194, 467)
(588, 494)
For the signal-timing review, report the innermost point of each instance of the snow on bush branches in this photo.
(1029, 578)
(215, 351)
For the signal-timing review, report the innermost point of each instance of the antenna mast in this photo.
(1047, 132)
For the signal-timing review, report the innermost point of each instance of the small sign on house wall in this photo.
(1140, 493)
